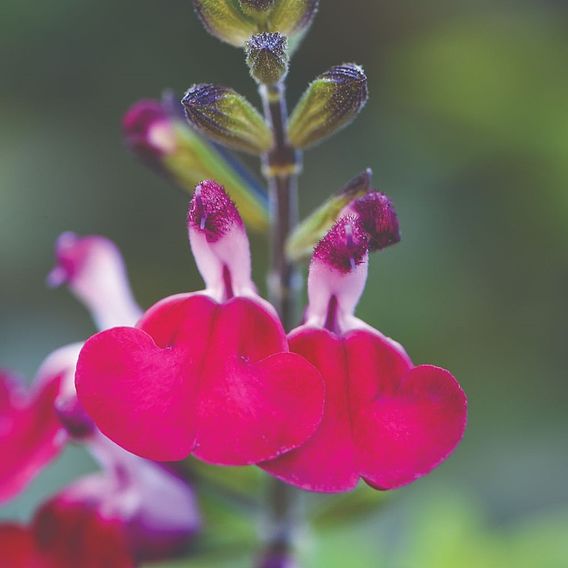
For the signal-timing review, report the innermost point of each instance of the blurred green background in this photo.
(467, 131)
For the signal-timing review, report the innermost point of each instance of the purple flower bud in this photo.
(267, 57)
(212, 212)
(148, 130)
(344, 247)
(378, 218)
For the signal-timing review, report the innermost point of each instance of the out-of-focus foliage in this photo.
(466, 129)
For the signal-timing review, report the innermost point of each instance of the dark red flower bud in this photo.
(378, 218)
(212, 212)
(148, 130)
(344, 247)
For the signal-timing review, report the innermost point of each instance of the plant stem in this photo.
(281, 166)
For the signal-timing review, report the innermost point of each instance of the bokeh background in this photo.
(467, 131)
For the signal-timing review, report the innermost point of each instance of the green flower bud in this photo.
(313, 228)
(267, 57)
(226, 117)
(258, 10)
(330, 103)
(293, 17)
(158, 134)
(234, 21)
(225, 20)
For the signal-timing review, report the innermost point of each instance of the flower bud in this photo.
(258, 10)
(226, 117)
(330, 103)
(267, 57)
(293, 18)
(149, 131)
(344, 247)
(235, 21)
(160, 136)
(225, 20)
(301, 242)
(378, 218)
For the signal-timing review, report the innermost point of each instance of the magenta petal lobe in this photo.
(385, 421)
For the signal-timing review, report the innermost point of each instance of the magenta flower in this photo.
(208, 373)
(35, 423)
(386, 420)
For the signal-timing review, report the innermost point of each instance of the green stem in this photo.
(281, 166)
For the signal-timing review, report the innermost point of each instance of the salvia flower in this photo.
(331, 102)
(160, 136)
(208, 373)
(386, 420)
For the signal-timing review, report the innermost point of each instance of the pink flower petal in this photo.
(215, 379)
(385, 421)
(30, 431)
